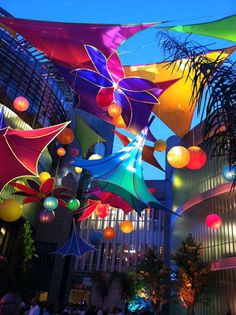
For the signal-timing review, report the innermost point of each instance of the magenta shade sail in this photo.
(64, 42)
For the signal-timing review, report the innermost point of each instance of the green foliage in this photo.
(192, 273)
(127, 282)
(28, 246)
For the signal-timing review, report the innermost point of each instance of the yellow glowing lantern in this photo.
(78, 170)
(178, 157)
(114, 110)
(43, 176)
(119, 122)
(126, 227)
(61, 151)
(160, 145)
(95, 157)
(10, 210)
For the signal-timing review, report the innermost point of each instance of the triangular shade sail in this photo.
(20, 150)
(64, 42)
(176, 108)
(124, 170)
(86, 136)
(75, 246)
(3, 123)
(223, 28)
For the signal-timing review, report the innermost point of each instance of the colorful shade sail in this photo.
(86, 136)
(64, 42)
(22, 149)
(75, 246)
(176, 107)
(148, 152)
(124, 170)
(3, 123)
(223, 28)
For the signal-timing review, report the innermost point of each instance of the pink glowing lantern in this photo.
(74, 152)
(102, 210)
(21, 104)
(213, 221)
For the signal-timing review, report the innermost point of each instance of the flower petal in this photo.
(136, 84)
(31, 199)
(62, 202)
(33, 184)
(121, 99)
(47, 186)
(60, 190)
(29, 191)
(115, 67)
(93, 77)
(99, 60)
(105, 97)
(88, 210)
(144, 97)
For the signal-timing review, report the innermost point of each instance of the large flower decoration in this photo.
(109, 76)
(37, 193)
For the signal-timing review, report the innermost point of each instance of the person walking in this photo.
(10, 304)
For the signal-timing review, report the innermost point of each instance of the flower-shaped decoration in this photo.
(114, 86)
(37, 193)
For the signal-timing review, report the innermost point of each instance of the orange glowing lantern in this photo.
(198, 158)
(61, 151)
(21, 104)
(213, 221)
(109, 233)
(114, 110)
(178, 157)
(160, 145)
(102, 210)
(66, 136)
(119, 122)
(126, 227)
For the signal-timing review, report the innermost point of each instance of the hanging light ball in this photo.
(19, 182)
(160, 145)
(178, 157)
(127, 227)
(78, 170)
(95, 237)
(213, 221)
(114, 110)
(119, 122)
(104, 98)
(74, 152)
(66, 136)
(109, 233)
(50, 203)
(46, 216)
(73, 204)
(229, 173)
(10, 210)
(198, 158)
(95, 157)
(43, 176)
(21, 104)
(61, 152)
(102, 210)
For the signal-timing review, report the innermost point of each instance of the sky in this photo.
(141, 48)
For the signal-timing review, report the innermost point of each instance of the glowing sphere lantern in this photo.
(198, 158)
(126, 227)
(10, 210)
(102, 210)
(74, 152)
(43, 176)
(73, 204)
(66, 136)
(95, 157)
(95, 237)
(229, 173)
(78, 170)
(160, 145)
(50, 203)
(178, 157)
(61, 152)
(114, 110)
(109, 233)
(46, 216)
(21, 104)
(119, 122)
(213, 221)
(104, 98)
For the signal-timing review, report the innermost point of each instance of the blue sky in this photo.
(141, 48)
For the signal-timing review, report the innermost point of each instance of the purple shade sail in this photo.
(3, 123)
(64, 42)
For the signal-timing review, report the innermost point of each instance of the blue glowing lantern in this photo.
(50, 203)
(229, 173)
(95, 237)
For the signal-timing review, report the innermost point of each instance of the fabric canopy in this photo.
(223, 28)
(176, 108)
(86, 136)
(123, 171)
(3, 123)
(64, 42)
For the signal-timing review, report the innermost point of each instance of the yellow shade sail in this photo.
(176, 107)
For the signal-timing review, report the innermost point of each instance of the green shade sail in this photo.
(86, 136)
(223, 28)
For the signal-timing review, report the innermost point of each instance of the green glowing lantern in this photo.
(73, 204)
